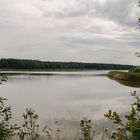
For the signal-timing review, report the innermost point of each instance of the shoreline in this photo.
(126, 76)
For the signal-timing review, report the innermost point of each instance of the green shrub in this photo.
(6, 129)
(128, 129)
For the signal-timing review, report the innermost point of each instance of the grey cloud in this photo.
(119, 11)
(125, 12)
(63, 30)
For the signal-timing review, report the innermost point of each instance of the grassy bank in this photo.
(135, 70)
(128, 76)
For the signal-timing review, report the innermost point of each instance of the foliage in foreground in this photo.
(128, 128)
(29, 129)
(6, 130)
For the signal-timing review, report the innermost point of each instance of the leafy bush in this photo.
(6, 129)
(128, 129)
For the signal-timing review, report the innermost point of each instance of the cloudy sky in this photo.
(70, 30)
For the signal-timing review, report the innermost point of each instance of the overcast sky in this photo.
(70, 30)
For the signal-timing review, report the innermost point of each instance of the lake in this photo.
(67, 95)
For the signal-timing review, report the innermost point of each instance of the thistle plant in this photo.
(86, 129)
(29, 129)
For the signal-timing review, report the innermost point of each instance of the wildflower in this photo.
(30, 112)
(23, 125)
(114, 134)
(108, 114)
(86, 128)
(36, 116)
(25, 116)
(106, 130)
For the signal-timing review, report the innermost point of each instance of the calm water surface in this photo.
(66, 94)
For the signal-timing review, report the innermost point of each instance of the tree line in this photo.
(27, 64)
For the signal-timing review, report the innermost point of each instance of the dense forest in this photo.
(27, 64)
